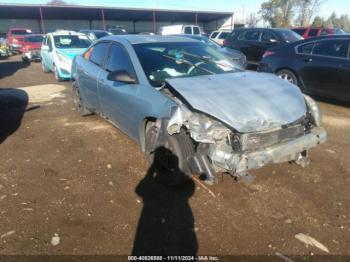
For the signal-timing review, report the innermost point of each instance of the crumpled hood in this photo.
(246, 101)
(71, 53)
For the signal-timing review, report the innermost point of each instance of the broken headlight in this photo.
(202, 128)
(314, 110)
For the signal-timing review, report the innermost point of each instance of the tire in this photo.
(57, 76)
(25, 60)
(43, 67)
(169, 163)
(79, 103)
(288, 75)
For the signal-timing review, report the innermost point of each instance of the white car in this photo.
(58, 50)
(181, 29)
(219, 36)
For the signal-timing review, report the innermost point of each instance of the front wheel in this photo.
(57, 76)
(78, 102)
(169, 162)
(288, 75)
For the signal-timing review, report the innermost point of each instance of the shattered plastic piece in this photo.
(55, 240)
(311, 241)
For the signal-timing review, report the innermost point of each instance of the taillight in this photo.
(268, 53)
(224, 43)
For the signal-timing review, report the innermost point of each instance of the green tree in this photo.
(278, 13)
(318, 22)
(306, 10)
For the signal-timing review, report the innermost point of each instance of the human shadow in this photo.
(166, 224)
(8, 68)
(13, 103)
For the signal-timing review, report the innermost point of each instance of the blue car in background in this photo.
(58, 50)
(192, 109)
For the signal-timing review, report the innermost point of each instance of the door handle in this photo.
(307, 60)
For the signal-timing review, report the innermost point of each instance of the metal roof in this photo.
(28, 11)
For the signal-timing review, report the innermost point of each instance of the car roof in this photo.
(19, 28)
(144, 39)
(33, 35)
(93, 30)
(65, 32)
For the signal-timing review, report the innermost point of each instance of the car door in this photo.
(47, 53)
(268, 39)
(324, 66)
(249, 45)
(345, 74)
(89, 74)
(119, 99)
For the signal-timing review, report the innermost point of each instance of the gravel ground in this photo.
(74, 185)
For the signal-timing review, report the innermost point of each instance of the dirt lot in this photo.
(84, 183)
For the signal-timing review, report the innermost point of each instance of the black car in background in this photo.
(253, 42)
(319, 66)
(237, 56)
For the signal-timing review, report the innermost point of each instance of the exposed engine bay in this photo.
(232, 151)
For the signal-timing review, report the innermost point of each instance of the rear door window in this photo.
(313, 32)
(299, 31)
(333, 48)
(98, 53)
(223, 35)
(196, 30)
(252, 35)
(188, 30)
(213, 35)
(268, 37)
(306, 48)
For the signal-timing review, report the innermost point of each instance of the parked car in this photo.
(253, 42)
(4, 50)
(191, 109)
(58, 50)
(31, 47)
(237, 56)
(318, 66)
(307, 32)
(15, 38)
(116, 30)
(94, 34)
(181, 29)
(219, 36)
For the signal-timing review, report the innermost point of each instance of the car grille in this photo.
(255, 141)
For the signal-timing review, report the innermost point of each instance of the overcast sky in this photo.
(238, 6)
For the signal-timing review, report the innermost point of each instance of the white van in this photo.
(181, 29)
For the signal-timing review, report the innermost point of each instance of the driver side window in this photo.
(118, 59)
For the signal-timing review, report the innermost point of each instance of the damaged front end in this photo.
(221, 148)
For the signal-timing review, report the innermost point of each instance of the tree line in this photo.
(287, 13)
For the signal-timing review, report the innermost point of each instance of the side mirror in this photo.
(121, 76)
(45, 48)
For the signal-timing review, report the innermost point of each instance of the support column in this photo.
(103, 19)
(154, 22)
(196, 18)
(42, 24)
(134, 27)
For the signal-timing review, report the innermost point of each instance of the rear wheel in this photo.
(78, 102)
(288, 75)
(169, 162)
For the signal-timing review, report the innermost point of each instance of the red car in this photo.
(15, 38)
(308, 32)
(31, 46)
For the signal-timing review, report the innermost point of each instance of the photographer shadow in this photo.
(166, 224)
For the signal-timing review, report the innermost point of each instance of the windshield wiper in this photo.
(190, 64)
(207, 60)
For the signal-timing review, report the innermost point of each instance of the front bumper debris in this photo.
(284, 152)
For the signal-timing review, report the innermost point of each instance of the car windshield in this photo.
(71, 41)
(161, 61)
(33, 39)
(21, 32)
(289, 36)
(100, 34)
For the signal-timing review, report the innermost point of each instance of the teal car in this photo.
(58, 51)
